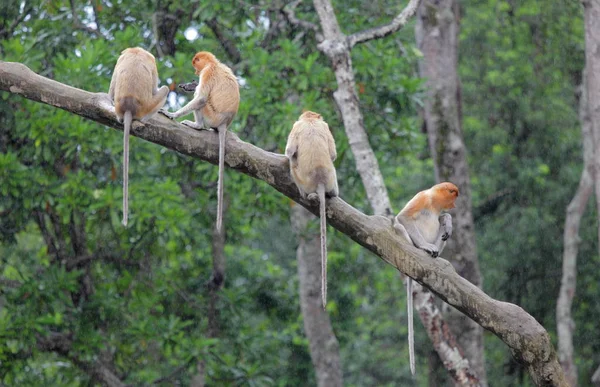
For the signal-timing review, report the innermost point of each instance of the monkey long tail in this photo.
(222, 135)
(411, 329)
(127, 119)
(321, 193)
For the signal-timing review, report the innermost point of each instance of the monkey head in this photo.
(308, 115)
(203, 59)
(444, 195)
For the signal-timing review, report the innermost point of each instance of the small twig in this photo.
(8, 31)
(80, 25)
(290, 15)
(227, 44)
(383, 31)
(174, 373)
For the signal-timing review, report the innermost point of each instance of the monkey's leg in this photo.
(158, 100)
(193, 124)
(199, 118)
(401, 230)
(417, 238)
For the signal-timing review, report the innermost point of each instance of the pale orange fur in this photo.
(215, 104)
(421, 222)
(134, 90)
(311, 151)
(219, 86)
(438, 198)
(315, 152)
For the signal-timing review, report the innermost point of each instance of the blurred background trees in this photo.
(84, 300)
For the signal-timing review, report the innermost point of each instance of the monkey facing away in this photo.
(135, 93)
(215, 104)
(421, 222)
(311, 151)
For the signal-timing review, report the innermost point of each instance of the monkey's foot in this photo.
(192, 124)
(433, 251)
(165, 113)
(313, 197)
(445, 236)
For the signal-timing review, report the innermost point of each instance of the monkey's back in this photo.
(135, 77)
(313, 165)
(223, 99)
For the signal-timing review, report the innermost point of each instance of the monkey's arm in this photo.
(331, 146)
(196, 104)
(291, 149)
(410, 227)
(111, 89)
(444, 232)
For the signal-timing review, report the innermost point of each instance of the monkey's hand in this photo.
(188, 87)
(166, 113)
(446, 226)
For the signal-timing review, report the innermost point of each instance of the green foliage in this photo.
(136, 298)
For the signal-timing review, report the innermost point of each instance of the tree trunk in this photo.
(596, 378)
(575, 209)
(592, 80)
(336, 47)
(214, 286)
(437, 37)
(592, 66)
(324, 348)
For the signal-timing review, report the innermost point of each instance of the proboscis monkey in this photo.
(311, 151)
(421, 222)
(215, 104)
(135, 93)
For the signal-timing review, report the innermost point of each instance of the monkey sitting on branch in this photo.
(135, 94)
(215, 104)
(421, 222)
(311, 151)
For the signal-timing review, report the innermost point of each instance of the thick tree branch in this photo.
(527, 339)
(388, 29)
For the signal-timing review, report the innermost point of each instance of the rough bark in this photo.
(596, 378)
(592, 89)
(437, 37)
(324, 348)
(444, 343)
(527, 339)
(592, 66)
(337, 47)
(564, 320)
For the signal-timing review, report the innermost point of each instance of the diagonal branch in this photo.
(527, 339)
(290, 14)
(388, 29)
